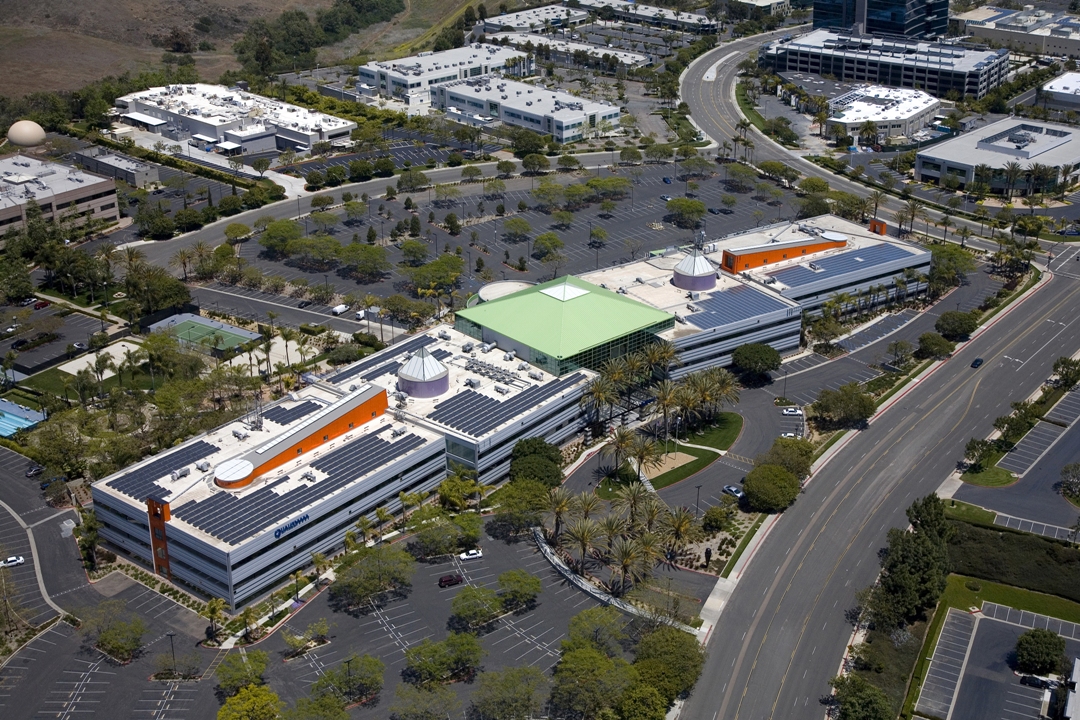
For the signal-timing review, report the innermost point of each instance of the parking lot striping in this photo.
(1045, 529)
(1026, 619)
(1036, 443)
(1065, 410)
(167, 701)
(947, 664)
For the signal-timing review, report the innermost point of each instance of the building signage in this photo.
(291, 525)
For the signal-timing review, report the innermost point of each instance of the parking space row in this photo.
(27, 600)
(867, 336)
(860, 374)
(1066, 410)
(1030, 526)
(1031, 620)
(946, 665)
(1031, 447)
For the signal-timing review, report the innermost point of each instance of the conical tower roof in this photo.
(422, 367)
(695, 265)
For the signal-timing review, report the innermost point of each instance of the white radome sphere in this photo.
(26, 133)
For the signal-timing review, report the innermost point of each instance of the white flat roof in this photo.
(1066, 84)
(528, 98)
(567, 46)
(881, 104)
(1010, 139)
(438, 63)
(650, 12)
(908, 52)
(23, 178)
(536, 16)
(144, 118)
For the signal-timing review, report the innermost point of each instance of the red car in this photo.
(450, 580)
(41, 305)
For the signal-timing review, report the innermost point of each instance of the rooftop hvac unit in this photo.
(398, 431)
(680, 318)
(536, 375)
(308, 475)
(523, 366)
(467, 347)
(202, 465)
(502, 389)
(621, 291)
(443, 335)
(182, 472)
(487, 347)
(815, 267)
(691, 308)
(510, 355)
(473, 382)
(241, 434)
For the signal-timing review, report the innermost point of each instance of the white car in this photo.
(12, 561)
(788, 435)
(474, 554)
(793, 411)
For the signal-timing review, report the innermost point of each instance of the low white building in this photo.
(413, 79)
(549, 16)
(229, 119)
(483, 100)
(59, 191)
(894, 111)
(1064, 89)
(649, 15)
(772, 7)
(569, 52)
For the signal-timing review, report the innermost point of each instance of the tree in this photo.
(859, 700)
(686, 212)
(949, 263)
(813, 186)
(630, 155)
(366, 262)
(600, 628)
(976, 451)
(517, 229)
(770, 488)
(414, 703)
(535, 163)
(382, 569)
(586, 681)
(260, 165)
(641, 702)
(519, 589)
(1068, 372)
(473, 607)
(112, 629)
(254, 702)
(238, 671)
(1040, 652)
(568, 162)
(669, 660)
(546, 244)
(756, 358)
(414, 252)
(932, 345)
(431, 663)
(506, 168)
(278, 234)
(956, 325)
(412, 180)
(516, 693)
(793, 454)
(357, 678)
(470, 173)
(900, 350)
(847, 406)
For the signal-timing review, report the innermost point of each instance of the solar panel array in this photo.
(732, 305)
(361, 369)
(475, 414)
(231, 519)
(140, 483)
(283, 415)
(840, 264)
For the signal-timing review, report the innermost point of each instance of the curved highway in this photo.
(783, 631)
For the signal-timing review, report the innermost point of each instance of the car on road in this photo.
(450, 580)
(665, 198)
(734, 491)
(34, 470)
(19, 344)
(12, 561)
(474, 554)
(977, 363)
(714, 211)
(792, 411)
(79, 345)
(42, 304)
(667, 181)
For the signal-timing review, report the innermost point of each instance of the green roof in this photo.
(564, 317)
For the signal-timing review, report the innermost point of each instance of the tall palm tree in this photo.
(914, 210)
(876, 197)
(678, 527)
(868, 131)
(660, 357)
(383, 516)
(619, 445)
(181, 259)
(559, 505)
(664, 395)
(1013, 171)
(627, 563)
(365, 525)
(132, 258)
(649, 513)
(629, 498)
(214, 611)
(743, 126)
(583, 533)
(613, 527)
(287, 335)
(647, 454)
(600, 393)
(586, 504)
(1065, 172)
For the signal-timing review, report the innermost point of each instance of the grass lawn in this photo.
(22, 397)
(989, 476)
(607, 487)
(960, 593)
(969, 513)
(747, 536)
(52, 381)
(829, 443)
(721, 435)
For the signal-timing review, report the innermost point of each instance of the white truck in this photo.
(339, 309)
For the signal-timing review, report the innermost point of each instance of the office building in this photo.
(647, 15)
(769, 7)
(904, 18)
(229, 120)
(936, 68)
(1064, 90)
(1027, 142)
(413, 79)
(539, 18)
(482, 101)
(573, 53)
(119, 167)
(1031, 30)
(59, 191)
(896, 112)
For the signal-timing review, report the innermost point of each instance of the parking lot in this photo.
(74, 327)
(1031, 447)
(855, 371)
(886, 326)
(946, 666)
(1067, 409)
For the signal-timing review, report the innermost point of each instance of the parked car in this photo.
(789, 435)
(450, 580)
(304, 303)
(977, 363)
(792, 411)
(735, 491)
(28, 301)
(12, 328)
(79, 345)
(19, 344)
(474, 554)
(726, 211)
(12, 561)
(665, 198)
(667, 181)
(714, 211)
(42, 304)
(34, 470)
(1032, 681)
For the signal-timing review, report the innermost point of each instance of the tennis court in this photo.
(196, 330)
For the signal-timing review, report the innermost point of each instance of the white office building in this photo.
(548, 16)
(230, 120)
(483, 101)
(570, 53)
(896, 112)
(1030, 30)
(59, 191)
(412, 80)
(1063, 90)
(649, 15)
(771, 7)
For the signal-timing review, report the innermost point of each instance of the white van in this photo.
(340, 309)
(359, 314)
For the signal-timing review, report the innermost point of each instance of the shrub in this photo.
(1039, 652)
(770, 488)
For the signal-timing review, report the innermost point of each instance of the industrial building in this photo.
(1031, 30)
(1010, 140)
(540, 18)
(413, 79)
(896, 112)
(1064, 90)
(230, 120)
(568, 52)
(134, 172)
(649, 15)
(482, 101)
(59, 191)
(936, 68)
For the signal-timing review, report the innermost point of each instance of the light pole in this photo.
(326, 280)
(785, 382)
(172, 646)
(697, 502)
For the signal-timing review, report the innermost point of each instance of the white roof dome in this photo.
(26, 133)
(422, 367)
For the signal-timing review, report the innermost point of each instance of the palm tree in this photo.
(619, 445)
(383, 516)
(560, 502)
(1065, 171)
(647, 455)
(742, 126)
(868, 131)
(599, 393)
(613, 527)
(1013, 171)
(664, 395)
(586, 505)
(320, 562)
(287, 335)
(914, 210)
(660, 357)
(181, 259)
(103, 362)
(247, 617)
(748, 145)
(133, 358)
(629, 499)
(876, 197)
(201, 252)
(132, 258)
(214, 611)
(583, 533)
(650, 512)
(365, 525)
(678, 527)
(821, 117)
(296, 577)
(627, 562)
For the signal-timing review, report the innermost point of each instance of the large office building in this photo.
(134, 172)
(570, 52)
(1031, 30)
(936, 68)
(482, 101)
(1026, 142)
(59, 191)
(1063, 91)
(895, 112)
(413, 79)
(231, 120)
(648, 15)
(904, 18)
(539, 18)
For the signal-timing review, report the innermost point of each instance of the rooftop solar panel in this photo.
(733, 305)
(840, 264)
(140, 483)
(476, 414)
(284, 416)
(379, 358)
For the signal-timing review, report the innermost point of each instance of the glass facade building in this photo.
(906, 18)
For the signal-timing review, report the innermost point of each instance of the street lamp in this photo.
(697, 503)
(172, 647)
